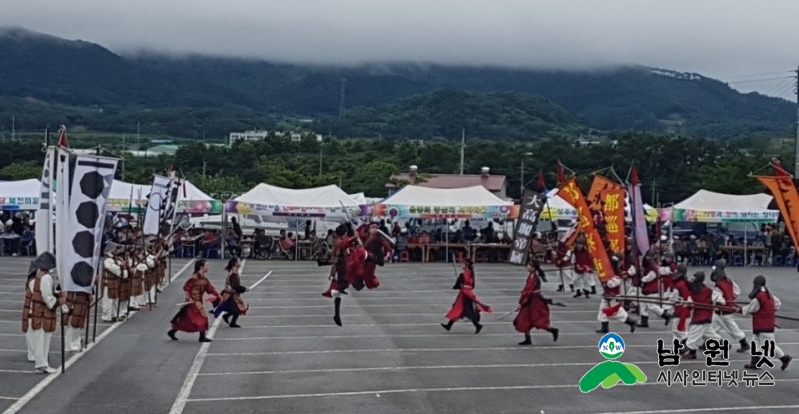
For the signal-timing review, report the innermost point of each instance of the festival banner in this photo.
(572, 194)
(599, 185)
(532, 204)
(157, 202)
(44, 214)
(787, 198)
(613, 208)
(446, 212)
(724, 216)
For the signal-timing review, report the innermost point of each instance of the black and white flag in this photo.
(529, 212)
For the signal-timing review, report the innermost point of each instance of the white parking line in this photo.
(185, 390)
(453, 389)
(21, 402)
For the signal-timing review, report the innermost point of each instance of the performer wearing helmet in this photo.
(650, 289)
(533, 307)
(763, 308)
(722, 320)
(39, 313)
(701, 328)
(612, 309)
(466, 304)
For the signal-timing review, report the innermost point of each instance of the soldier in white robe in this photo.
(39, 315)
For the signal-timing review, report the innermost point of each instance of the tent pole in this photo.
(446, 239)
(296, 239)
(746, 242)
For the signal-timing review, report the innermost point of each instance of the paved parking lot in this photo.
(391, 355)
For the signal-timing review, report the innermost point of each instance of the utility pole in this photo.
(521, 183)
(341, 105)
(138, 136)
(320, 159)
(796, 151)
(654, 185)
(13, 128)
(463, 146)
(204, 165)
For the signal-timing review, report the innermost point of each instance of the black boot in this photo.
(571, 287)
(554, 332)
(203, 337)
(226, 318)
(477, 327)
(630, 322)
(752, 364)
(172, 333)
(604, 329)
(448, 325)
(560, 288)
(593, 290)
(644, 322)
(337, 315)
(527, 340)
(233, 323)
(586, 292)
(786, 359)
(744, 346)
(666, 317)
(578, 294)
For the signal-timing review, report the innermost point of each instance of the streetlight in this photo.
(521, 184)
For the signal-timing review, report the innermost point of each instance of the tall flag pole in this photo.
(639, 217)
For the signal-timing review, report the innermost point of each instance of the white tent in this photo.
(463, 203)
(320, 203)
(363, 200)
(20, 195)
(709, 207)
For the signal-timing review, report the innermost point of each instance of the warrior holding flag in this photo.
(533, 308)
(610, 308)
(231, 302)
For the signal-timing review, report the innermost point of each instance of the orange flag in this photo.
(600, 184)
(572, 194)
(613, 209)
(787, 199)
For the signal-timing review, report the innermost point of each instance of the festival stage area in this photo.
(391, 355)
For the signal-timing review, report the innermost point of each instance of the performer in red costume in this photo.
(682, 313)
(533, 308)
(466, 304)
(340, 261)
(763, 308)
(612, 309)
(376, 248)
(193, 317)
(583, 271)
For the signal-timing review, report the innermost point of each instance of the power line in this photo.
(782, 72)
(761, 80)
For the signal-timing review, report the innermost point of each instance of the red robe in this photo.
(534, 310)
(373, 246)
(466, 303)
(194, 317)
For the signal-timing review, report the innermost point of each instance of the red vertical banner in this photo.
(612, 202)
(572, 194)
(599, 185)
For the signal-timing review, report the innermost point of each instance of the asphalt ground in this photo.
(391, 355)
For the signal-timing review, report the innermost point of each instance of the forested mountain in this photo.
(40, 68)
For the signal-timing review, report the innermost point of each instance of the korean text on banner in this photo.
(572, 194)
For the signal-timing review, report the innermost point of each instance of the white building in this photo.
(256, 135)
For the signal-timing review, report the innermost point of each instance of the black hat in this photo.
(699, 277)
(44, 261)
(759, 281)
(682, 271)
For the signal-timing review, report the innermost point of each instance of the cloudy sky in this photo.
(751, 44)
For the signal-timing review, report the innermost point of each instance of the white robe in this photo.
(725, 323)
(110, 306)
(621, 314)
(38, 340)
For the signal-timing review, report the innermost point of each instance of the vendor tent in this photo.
(436, 203)
(709, 207)
(320, 203)
(20, 195)
(363, 200)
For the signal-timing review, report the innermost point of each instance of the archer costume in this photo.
(39, 311)
(193, 317)
(231, 301)
(763, 308)
(533, 309)
(466, 304)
